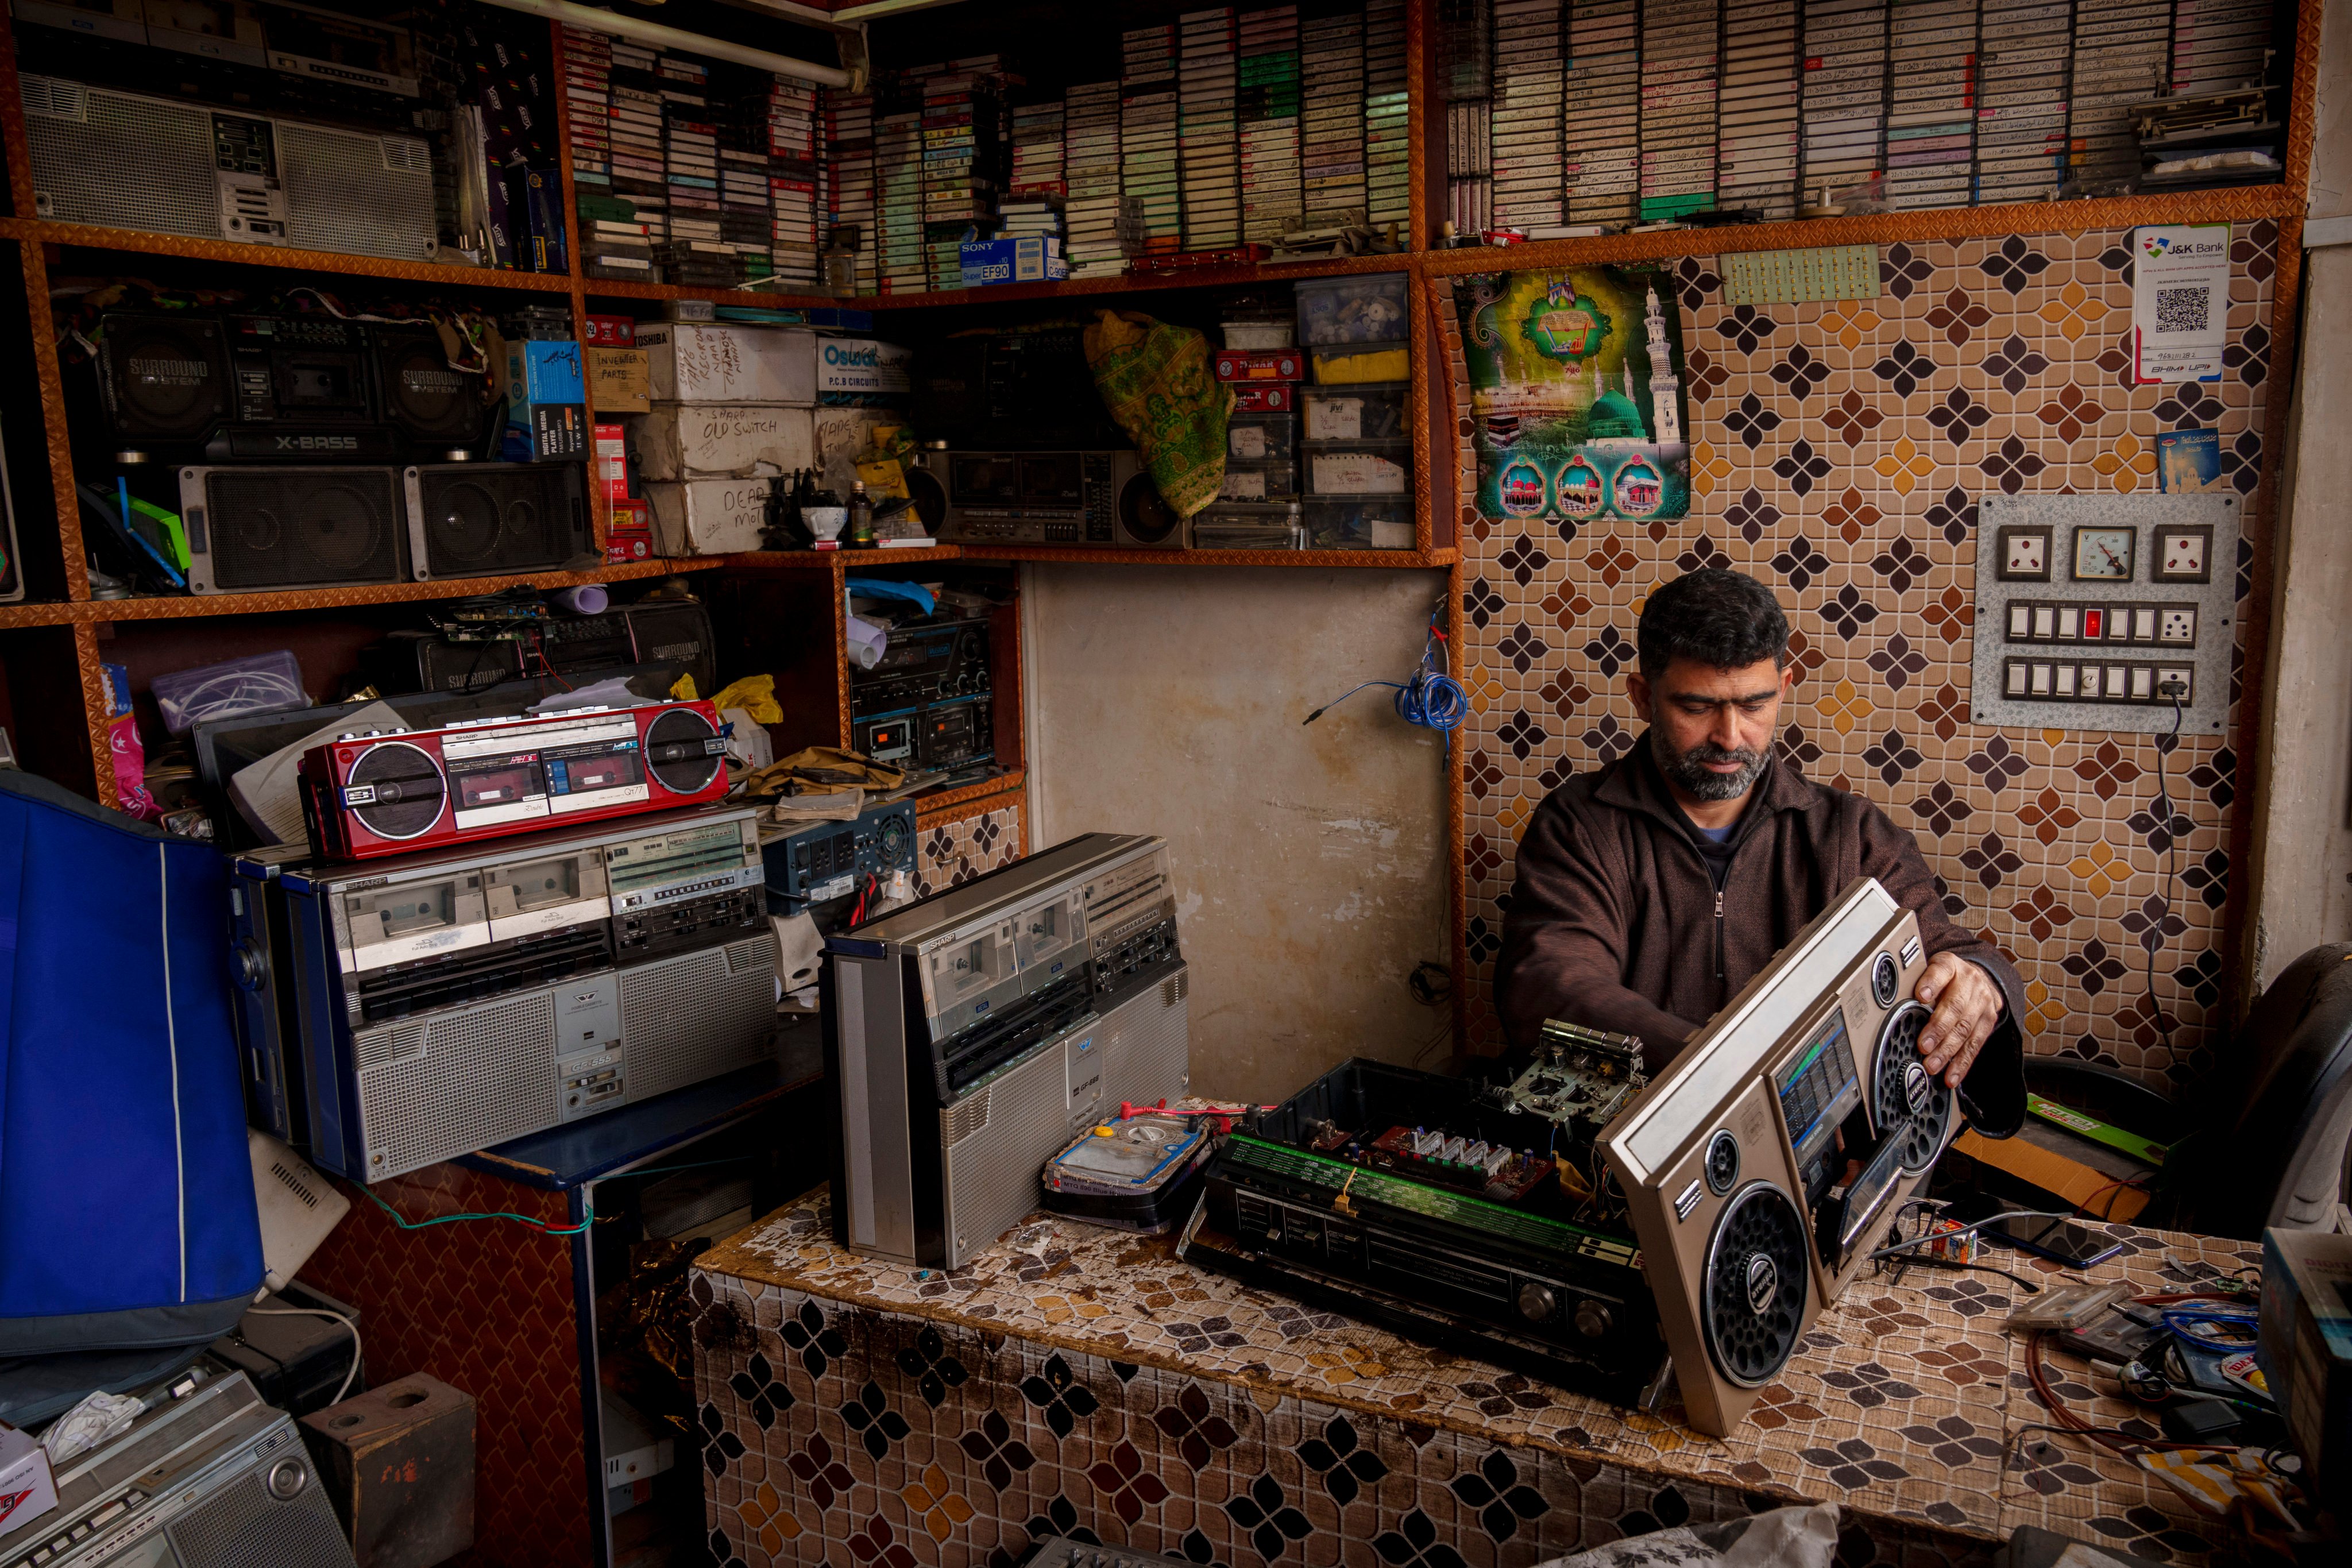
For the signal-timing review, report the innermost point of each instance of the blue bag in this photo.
(127, 1217)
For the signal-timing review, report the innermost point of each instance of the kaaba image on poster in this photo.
(1578, 492)
(1520, 489)
(1636, 489)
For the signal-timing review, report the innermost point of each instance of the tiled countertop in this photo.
(1901, 1403)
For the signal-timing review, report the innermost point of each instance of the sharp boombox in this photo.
(972, 1033)
(408, 1011)
(657, 631)
(371, 794)
(213, 1479)
(1101, 498)
(263, 528)
(279, 389)
(124, 159)
(1731, 1161)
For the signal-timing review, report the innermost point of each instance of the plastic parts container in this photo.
(1359, 523)
(1253, 332)
(257, 683)
(1259, 481)
(1373, 411)
(1360, 468)
(1367, 308)
(1351, 364)
(1228, 525)
(1261, 437)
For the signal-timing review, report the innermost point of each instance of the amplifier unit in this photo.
(1732, 1164)
(215, 1478)
(253, 529)
(484, 520)
(122, 159)
(931, 736)
(835, 861)
(370, 795)
(926, 660)
(443, 1003)
(972, 1032)
(654, 631)
(1104, 499)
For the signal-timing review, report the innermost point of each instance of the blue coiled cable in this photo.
(1429, 698)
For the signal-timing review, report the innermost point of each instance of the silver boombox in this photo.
(402, 1012)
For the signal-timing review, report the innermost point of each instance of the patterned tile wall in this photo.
(953, 853)
(1838, 450)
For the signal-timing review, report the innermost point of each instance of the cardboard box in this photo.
(27, 1488)
(546, 400)
(725, 362)
(620, 381)
(842, 433)
(861, 367)
(718, 440)
(629, 534)
(2305, 1352)
(707, 517)
(1037, 260)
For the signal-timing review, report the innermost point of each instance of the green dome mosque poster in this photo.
(1576, 395)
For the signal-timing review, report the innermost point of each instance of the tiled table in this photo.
(1078, 1380)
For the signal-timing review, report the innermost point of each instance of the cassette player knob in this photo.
(1536, 1303)
(1593, 1320)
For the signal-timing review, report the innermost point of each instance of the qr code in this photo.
(2183, 309)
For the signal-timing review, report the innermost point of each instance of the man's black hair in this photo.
(1715, 617)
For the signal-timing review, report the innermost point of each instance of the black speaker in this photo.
(252, 529)
(482, 520)
(674, 637)
(161, 378)
(439, 409)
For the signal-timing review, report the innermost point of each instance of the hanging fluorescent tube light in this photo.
(592, 21)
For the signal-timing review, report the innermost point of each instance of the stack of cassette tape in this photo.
(1678, 131)
(847, 146)
(1037, 151)
(1931, 118)
(898, 201)
(1269, 103)
(1845, 93)
(1470, 166)
(1387, 147)
(1151, 202)
(1756, 137)
(1603, 130)
(2022, 59)
(1207, 131)
(795, 170)
(2219, 44)
(2121, 50)
(1090, 154)
(1332, 147)
(1528, 74)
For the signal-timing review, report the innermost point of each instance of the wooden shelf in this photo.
(47, 614)
(1388, 560)
(179, 607)
(139, 242)
(839, 561)
(1010, 782)
(621, 288)
(2240, 204)
(1140, 283)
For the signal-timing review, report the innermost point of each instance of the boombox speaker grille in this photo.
(484, 519)
(243, 1526)
(1142, 515)
(85, 142)
(166, 376)
(1904, 1094)
(296, 527)
(711, 1012)
(423, 396)
(364, 196)
(1752, 1296)
(409, 790)
(676, 750)
(487, 1073)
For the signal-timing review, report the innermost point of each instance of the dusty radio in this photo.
(390, 794)
(1105, 500)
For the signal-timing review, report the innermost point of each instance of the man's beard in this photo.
(1689, 769)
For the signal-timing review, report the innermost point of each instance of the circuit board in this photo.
(1580, 1078)
(1493, 1171)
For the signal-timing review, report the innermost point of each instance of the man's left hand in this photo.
(1968, 1007)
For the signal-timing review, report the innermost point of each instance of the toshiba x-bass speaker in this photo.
(257, 529)
(437, 407)
(162, 379)
(482, 520)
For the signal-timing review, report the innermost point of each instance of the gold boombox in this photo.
(1734, 1162)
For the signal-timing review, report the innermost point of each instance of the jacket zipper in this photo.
(1718, 946)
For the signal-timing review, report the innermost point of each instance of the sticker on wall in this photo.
(2180, 302)
(2189, 463)
(1574, 373)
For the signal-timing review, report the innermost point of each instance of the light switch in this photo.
(2069, 620)
(2017, 677)
(2118, 678)
(2144, 623)
(2066, 681)
(2142, 682)
(2045, 621)
(2040, 685)
(2020, 622)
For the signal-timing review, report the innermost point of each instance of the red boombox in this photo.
(398, 791)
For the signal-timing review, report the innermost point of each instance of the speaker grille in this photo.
(83, 141)
(242, 1526)
(1904, 1094)
(409, 788)
(675, 750)
(487, 1073)
(166, 376)
(344, 191)
(1752, 1296)
(691, 1017)
(287, 528)
(490, 518)
(1145, 518)
(992, 1168)
(423, 396)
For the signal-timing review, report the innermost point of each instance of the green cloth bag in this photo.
(1154, 378)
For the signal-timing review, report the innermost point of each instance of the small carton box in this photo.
(620, 381)
(609, 472)
(1259, 365)
(629, 536)
(850, 368)
(26, 1488)
(2305, 1348)
(986, 262)
(707, 517)
(724, 362)
(721, 440)
(546, 400)
(612, 332)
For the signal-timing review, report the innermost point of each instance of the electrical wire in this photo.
(2165, 817)
(350, 1376)
(1429, 698)
(1933, 1262)
(1925, 1238)
(522, 1219)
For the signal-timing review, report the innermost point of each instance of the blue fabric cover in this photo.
(126, 1212)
